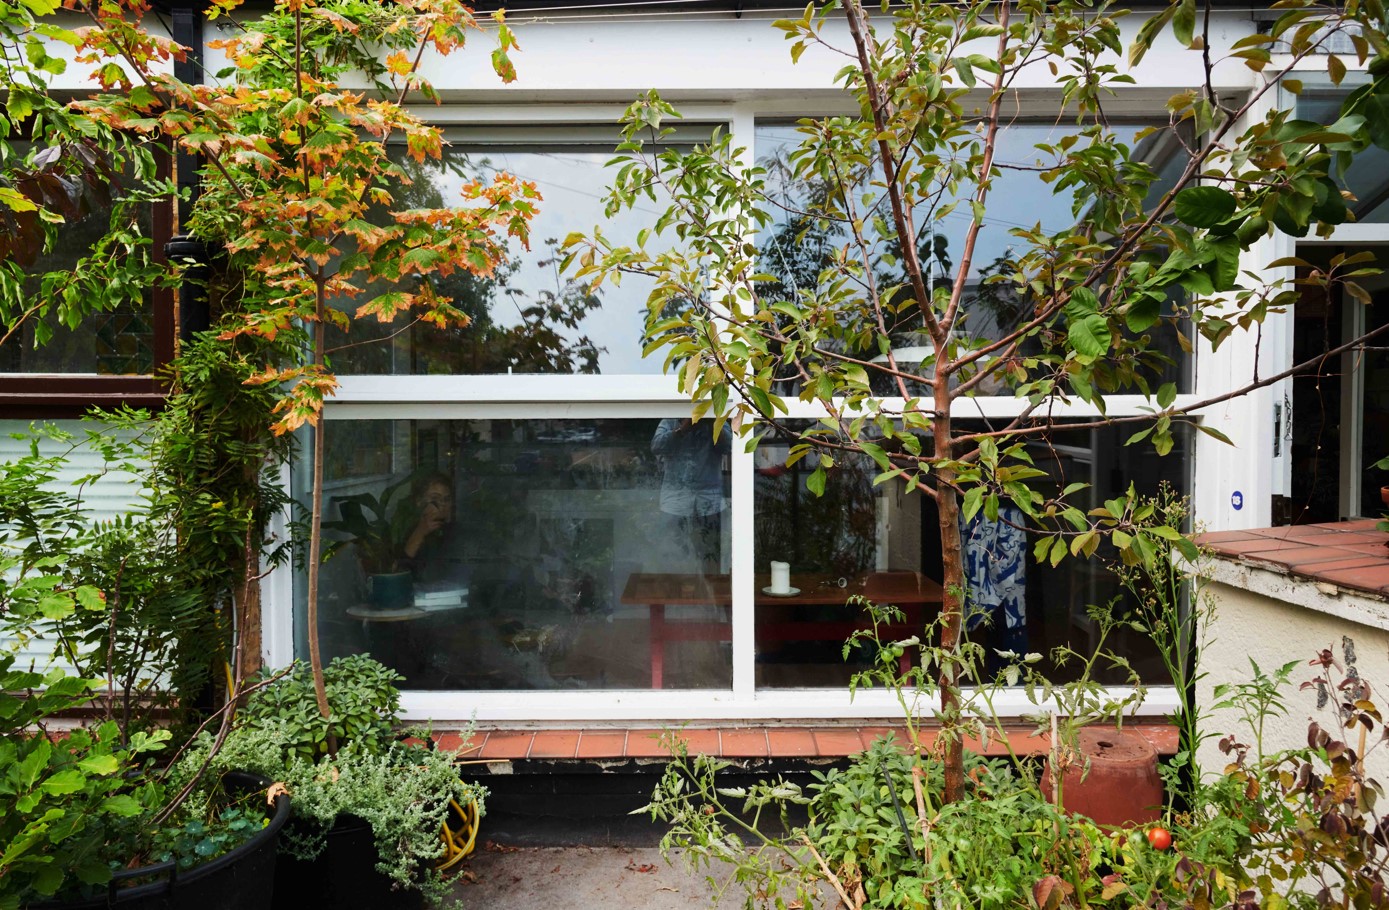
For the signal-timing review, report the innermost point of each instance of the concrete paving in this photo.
(558, 878)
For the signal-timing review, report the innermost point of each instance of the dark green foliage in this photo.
(196, 841)
(376, 527)
(366, 707)
(64, 802)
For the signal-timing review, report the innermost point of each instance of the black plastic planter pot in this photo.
(342, 877)
(242, 879)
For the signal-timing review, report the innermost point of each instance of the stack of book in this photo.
(433, 598)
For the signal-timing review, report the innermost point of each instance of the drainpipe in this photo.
(186, 27)
(193, 311)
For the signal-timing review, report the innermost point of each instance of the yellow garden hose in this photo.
(459, 833)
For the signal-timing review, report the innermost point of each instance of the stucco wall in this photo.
(1273, 619)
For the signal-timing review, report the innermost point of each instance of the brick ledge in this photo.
(741, 742)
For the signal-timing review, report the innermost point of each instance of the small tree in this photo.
(299, 181)
(1074, 312)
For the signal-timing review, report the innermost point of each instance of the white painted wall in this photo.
(1272, 619)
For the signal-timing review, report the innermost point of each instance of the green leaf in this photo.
(123, 805)
(90, 598)
(100, 764)
(55, 606)
(1142, 313)
(1089, 337)
(1184, 22)
(1213, 433)
(1204, 206)
(815, 483)
(68, 781)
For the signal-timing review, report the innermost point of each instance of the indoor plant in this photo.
(376, 527)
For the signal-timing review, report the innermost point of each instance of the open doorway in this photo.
(1340, 411)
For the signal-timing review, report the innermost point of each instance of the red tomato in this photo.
(1159, 838)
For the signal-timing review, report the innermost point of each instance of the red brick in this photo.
(785, 741)
(450, 742)
(1219, 537)
(649, 743)
(602, 744)
(745, 743)
(1368, 578)
(1263, 546)
(1304, 555)
(502, 744)
(554, 744)
(702, 742)
(838, 742)
(1342, 561)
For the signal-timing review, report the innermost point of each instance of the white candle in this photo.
(781, 577)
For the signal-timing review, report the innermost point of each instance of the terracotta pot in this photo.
(1122, 787)
(1384, 495)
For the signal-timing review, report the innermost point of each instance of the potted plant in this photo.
(368, 819)
(377, 527)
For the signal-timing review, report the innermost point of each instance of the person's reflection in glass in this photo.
(430, 551)
(692, 489)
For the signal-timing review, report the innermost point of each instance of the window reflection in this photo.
(530, 554)
(884, 543)
(117, 342)
(1368, 175)
(526, 318)
(796, 247)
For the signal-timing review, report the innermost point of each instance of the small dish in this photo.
(789, 592)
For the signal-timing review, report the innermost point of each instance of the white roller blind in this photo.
(112, 495)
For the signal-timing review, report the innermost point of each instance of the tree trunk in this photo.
(952, 571)
(248, 618)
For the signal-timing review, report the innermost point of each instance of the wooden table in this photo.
(910, 591)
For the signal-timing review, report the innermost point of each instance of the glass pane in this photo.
(884, 544)
(795, 249)
(529, 554)
(115, 343)
(1368, 175)
(527, 318)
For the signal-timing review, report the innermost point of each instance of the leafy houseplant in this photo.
(401, 790)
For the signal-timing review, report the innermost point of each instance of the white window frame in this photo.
(635, 396)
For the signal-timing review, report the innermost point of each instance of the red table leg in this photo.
(658, 645)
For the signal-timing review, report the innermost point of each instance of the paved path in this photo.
(560, 878)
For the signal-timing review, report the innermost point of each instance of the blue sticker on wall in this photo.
(1237, 500)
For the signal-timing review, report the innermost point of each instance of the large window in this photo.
(110, 357)
(884, 544)
(530, 537)
(795, 248)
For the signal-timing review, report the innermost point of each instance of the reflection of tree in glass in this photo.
(118, 338)
(835, 533)
(804, 251)
(544, 339)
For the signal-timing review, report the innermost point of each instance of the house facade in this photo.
(574, 553)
